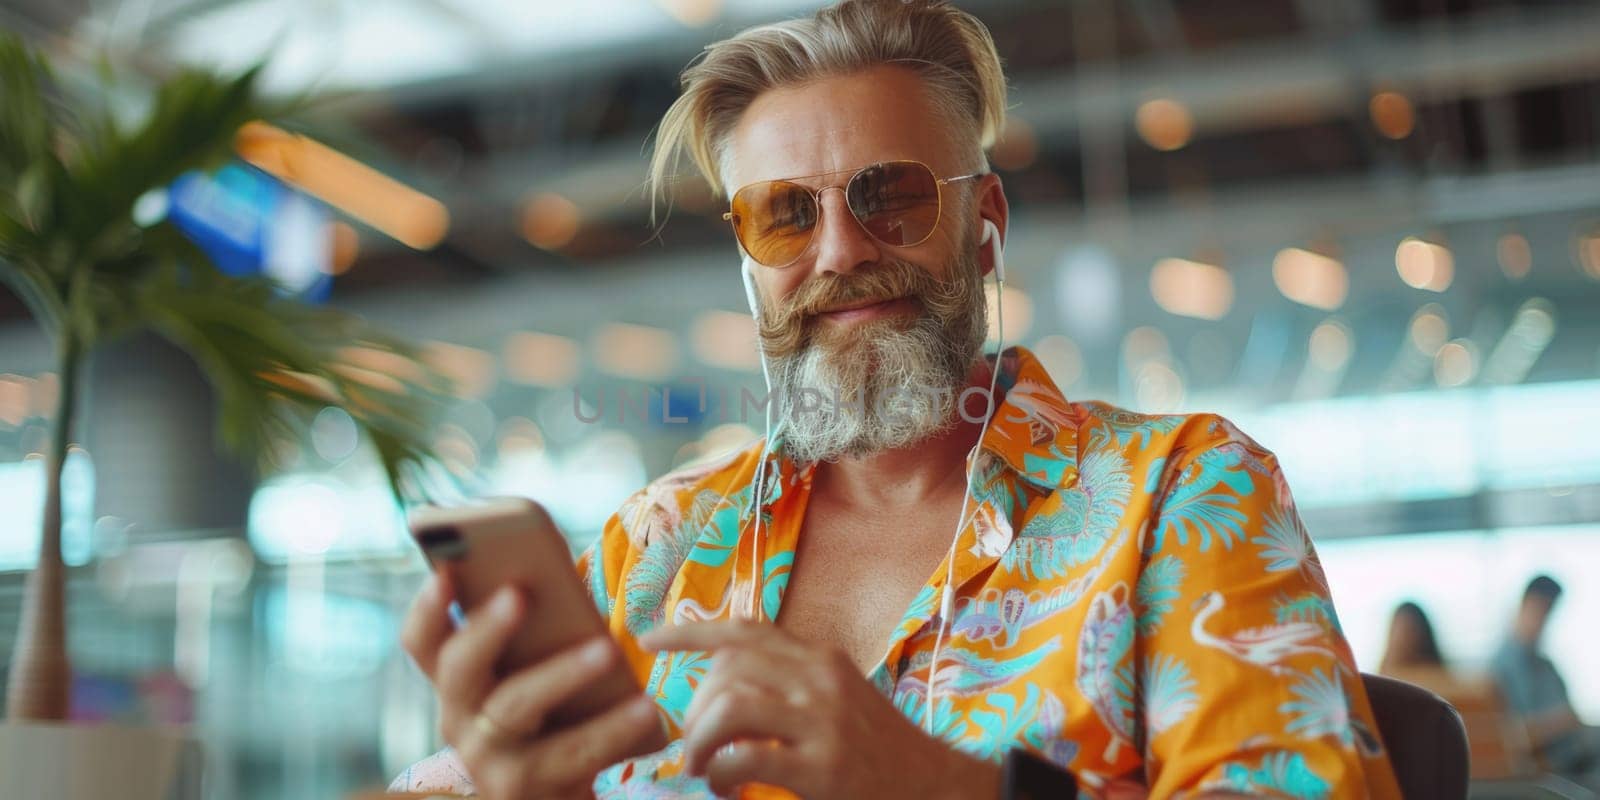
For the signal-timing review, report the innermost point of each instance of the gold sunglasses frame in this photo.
(816, 197)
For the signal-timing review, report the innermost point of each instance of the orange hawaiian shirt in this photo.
(1136, 601)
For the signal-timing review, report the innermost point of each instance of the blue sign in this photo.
(250, 223)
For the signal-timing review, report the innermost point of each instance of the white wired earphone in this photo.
(992, 237)
(759, 486)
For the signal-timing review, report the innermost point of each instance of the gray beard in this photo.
(888, 387)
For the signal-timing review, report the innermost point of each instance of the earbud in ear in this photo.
(991, 237)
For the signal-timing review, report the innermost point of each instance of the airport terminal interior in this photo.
(1366, 231)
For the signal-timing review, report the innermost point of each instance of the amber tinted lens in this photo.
(774, 221)
(897, 202)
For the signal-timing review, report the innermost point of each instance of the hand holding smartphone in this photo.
(514, 542)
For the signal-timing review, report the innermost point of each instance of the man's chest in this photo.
(854, 577)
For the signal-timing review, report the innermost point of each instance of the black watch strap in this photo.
(1026, 776)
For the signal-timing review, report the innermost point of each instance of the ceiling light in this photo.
(1144, 343)
(1018, 314)
(550, 221)
(1515, 255)
(1530, 332)
(46, 394)
(1018, 146)
(471, 371)
(1310, 279)
(1191, 288)
(1588, 246)
(1424, 265)
(541, 359)
(1061, 359)
(636, 351)
(346, 247)
(518, 435)
(1455, 364)
(15, 397)
(1331, 346)
(1164, 124)
(1429, 329)
(411, 217)
(725, 339)
(693, 13)
(1392, 114)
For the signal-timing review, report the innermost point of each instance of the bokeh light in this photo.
(1456, 363)
(1310, 279)
(1429, 329)
(541, 359)
(1392, 114)
(1018, 146)
(640, 352)
(1331, 346)
(1018, 313)
(725, 339)
(1515, 255)
(334, 435)
(1588, 247)
(550, 221)
(1164, 124)
(1191, 288)
(1424, 265)
(1062, 358)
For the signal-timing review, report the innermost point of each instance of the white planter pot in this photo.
(51, 761)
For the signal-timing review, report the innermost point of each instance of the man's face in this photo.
(838, 125)
(853, 316)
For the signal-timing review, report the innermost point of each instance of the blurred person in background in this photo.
(1412, 653)
(1131, 602)
(1535, 691)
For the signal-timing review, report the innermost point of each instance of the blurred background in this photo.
(1367, 230)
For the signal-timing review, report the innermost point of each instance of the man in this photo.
(1535, 691)
(1131, 601)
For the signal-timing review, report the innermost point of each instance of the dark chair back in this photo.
(1424, 736)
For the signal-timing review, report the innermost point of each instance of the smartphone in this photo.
(513, 541)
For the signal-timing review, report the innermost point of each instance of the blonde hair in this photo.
(948, 48)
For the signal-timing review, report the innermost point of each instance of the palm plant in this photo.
(88, 273)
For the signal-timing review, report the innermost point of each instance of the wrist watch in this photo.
(1025, 776)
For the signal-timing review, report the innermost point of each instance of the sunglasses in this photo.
(897, 203)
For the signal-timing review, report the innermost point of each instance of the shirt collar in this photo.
(1034, 428)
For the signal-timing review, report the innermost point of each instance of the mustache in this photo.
(784, 327)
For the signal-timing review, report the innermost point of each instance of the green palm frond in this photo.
(274, 363)
(79, 174)
(69, 247)
(29, 164)
(191, 126)
(35, 288)
(25, 124)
